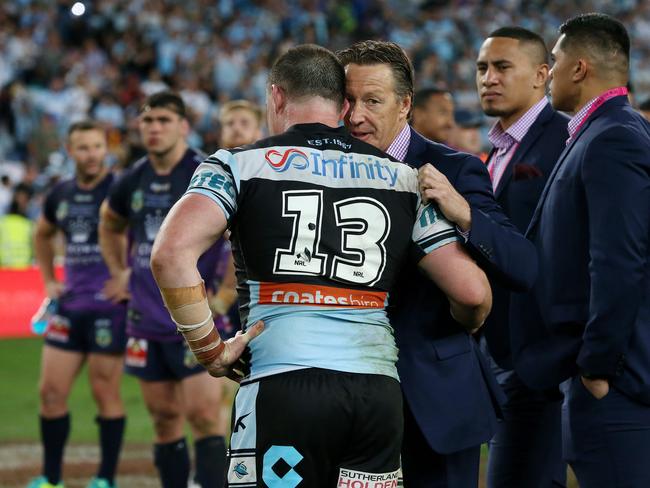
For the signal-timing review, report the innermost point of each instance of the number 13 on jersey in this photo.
(364, 225)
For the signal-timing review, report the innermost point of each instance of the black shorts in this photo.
(151, 360)
(88, 331)
(316, 428)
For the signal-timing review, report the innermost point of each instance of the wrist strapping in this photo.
(189, 309)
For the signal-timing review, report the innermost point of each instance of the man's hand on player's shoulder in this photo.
(435, 187)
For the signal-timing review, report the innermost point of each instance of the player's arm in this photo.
(113, 242)
(464, 283)
(193, 224)
(44, 248)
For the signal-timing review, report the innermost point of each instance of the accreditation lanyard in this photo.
(609, 94)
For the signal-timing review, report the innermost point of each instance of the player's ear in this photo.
(279, 98)
(185, 127)
(344, 109)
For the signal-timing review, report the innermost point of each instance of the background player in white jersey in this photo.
(174, 386)
(87, 325)
(321, 222)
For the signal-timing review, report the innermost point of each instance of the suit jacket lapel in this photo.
(528, 140)
(617, 101)
(542, 198)
(417, 145)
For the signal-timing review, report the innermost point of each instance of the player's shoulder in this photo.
(136, 169)
(64, 186)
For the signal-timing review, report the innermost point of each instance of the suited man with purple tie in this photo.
(588, 316)
(511, 77)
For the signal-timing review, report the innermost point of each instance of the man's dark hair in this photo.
(524, 36)
(309, 70)
(383, 52)
(604, 38)
(84, 125)
(422, 96)
(165, 99)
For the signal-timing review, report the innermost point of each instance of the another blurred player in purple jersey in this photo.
(88, 326)
(321, 223)
(173, 385)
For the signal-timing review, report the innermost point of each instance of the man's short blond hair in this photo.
(241, 105)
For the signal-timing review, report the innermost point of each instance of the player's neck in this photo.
(164, 163)
(311, 113)
(86, 182)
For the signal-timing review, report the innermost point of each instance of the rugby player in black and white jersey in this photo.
(321, 223)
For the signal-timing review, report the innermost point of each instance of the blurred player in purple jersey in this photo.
(174, 386)
(88, 327)
(321, 223)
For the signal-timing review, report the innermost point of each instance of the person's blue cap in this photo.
(467, 118)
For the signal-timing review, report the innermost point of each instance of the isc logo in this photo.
(282, 161)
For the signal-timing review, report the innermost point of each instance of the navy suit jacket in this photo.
(445, 379)
(589, 311)
(518, 192)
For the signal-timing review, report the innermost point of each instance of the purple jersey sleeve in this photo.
(119, 195)
(49, 206)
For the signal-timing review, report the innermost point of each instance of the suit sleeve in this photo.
(499, 248)
(616, 178)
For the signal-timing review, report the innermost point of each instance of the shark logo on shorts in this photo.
(240, 470)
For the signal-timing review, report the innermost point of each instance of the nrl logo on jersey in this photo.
(137, 201)
(282, 161)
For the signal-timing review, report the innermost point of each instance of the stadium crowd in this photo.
(554, 216)
(57, 68)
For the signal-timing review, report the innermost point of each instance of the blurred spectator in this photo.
(433, 114)
(5, 194)
(241, 123)
(466, 136)
(16, 231)
(54, 63)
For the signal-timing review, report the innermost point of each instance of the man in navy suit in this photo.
(588, 316)
(512, 71)
(451, 397)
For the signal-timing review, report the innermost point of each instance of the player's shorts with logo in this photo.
(336, 430)
(151, 360)
(88, 331)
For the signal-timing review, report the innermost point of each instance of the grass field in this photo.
(19, 447)
(19, 370)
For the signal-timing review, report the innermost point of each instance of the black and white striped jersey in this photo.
(321, 224)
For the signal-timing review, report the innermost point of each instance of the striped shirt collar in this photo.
(519, 129)
(400, 145)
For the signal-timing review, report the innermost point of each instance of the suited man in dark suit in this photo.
(451, 397)
(511, 77)
(588, 316)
